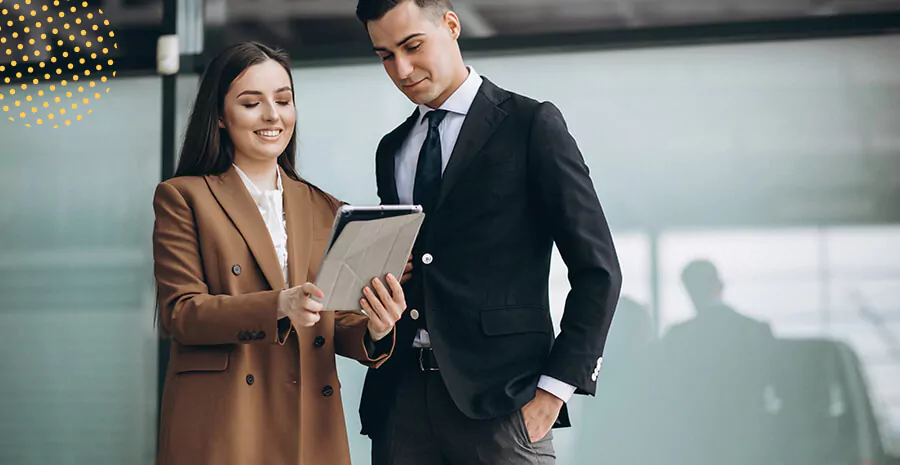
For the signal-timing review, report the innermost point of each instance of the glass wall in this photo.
(77, 346)
(830, 291)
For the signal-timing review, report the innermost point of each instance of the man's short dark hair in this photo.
(371, 10)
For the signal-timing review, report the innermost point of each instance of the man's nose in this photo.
(404, 68)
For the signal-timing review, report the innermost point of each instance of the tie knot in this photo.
(435, 117)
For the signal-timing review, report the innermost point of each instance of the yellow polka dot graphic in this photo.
(42, 42)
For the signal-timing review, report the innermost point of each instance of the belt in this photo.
(427, 360)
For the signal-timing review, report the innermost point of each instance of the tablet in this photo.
(365, 242)
(349, 213)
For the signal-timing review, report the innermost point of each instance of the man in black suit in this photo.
(477, 376)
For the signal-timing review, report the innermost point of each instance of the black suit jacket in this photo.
(515, 183)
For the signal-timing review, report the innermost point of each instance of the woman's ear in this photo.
(221, 124)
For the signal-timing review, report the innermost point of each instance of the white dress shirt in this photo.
(407, 158)
(271, 207)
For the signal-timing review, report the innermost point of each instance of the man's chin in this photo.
(419, 98)
(414, 99)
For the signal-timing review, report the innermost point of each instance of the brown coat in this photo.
(240, 388)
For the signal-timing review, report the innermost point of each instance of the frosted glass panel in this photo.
(76, 288)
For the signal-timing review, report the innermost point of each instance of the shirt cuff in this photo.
(556, 387)
(377, 349)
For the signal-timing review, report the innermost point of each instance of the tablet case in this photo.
(362, 251)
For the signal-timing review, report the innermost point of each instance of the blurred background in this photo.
(747, 155)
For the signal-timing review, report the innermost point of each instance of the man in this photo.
(476, 376)
(714, 319)
(717, 371)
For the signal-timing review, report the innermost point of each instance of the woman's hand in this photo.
(297, 304)
(383, 307)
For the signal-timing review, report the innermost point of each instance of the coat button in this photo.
(427, 259)
(250, 380)
(414, 314)
(260, 335)
(327, 391)
(319, 341)
(236, 269)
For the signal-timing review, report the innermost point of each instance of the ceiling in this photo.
(301, 25)
(503, 17)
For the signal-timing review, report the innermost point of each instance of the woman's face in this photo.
(259, 112)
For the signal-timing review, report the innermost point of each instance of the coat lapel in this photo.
(232, 195)
(482, 120)
(386, 160)
(299, 228)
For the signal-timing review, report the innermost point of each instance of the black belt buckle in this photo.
(422, 361)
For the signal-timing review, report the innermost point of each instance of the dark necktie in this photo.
(428, 170)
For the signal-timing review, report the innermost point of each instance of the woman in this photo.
(237, 238)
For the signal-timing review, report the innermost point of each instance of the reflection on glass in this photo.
(798, 364)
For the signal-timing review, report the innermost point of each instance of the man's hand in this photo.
(383, 307)
(407, 272)
(540, 414)
(297, 304)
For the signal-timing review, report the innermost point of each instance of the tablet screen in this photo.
(348, 213)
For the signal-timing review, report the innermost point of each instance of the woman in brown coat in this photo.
(237, 239)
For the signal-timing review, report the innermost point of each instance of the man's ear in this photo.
(453, 24)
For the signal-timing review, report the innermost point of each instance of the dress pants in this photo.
(424, 427)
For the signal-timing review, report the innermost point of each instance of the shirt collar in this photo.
(255, 192)
(462, 98)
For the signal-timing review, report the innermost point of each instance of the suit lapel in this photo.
(297, 213)
(386, 160)
(482, 120)
(232, 195)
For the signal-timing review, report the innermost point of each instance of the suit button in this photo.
(319, 341)
(260, 335)
(236, 269)
(250, 380)
(427, 259)
(414, 314)
(327, 391)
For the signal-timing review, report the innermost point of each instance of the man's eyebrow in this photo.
(400, 44)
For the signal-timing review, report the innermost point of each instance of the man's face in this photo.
(419, 51)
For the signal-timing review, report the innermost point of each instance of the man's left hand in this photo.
(407, 272)
(540, 414)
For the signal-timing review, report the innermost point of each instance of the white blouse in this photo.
(271, 207)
